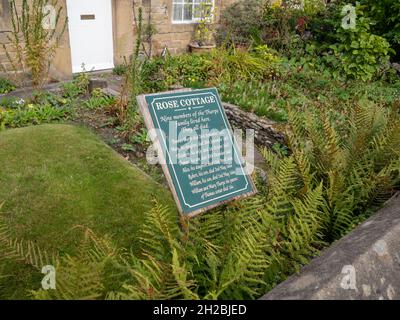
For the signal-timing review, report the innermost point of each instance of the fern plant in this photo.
(22, 251)
(357, 160)
(334, 173)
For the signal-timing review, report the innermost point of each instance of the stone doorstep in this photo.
(97, 83)
(364, 265)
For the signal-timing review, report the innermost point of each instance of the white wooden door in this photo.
(91, 36)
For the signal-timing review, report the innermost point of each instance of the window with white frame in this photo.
(186, 11)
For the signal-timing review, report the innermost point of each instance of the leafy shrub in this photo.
(47, 98)
(6, 86)
(70, 90)
(34, 46)
(231, 64)
(220, 65)
(298, 88)
(312, 34)
(285, 27)
(241, 22)
(361, 53)
(186, 70)
(344, 53)
(385, 15)
(261, 98)
(41, 108)
(31, 115)
(11, 102)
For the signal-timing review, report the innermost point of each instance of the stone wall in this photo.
(5, 27)
(123, 30)
(265, 131)
(363, 265)
(174, 36)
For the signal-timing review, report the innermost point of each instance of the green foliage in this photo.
(359, 52)
(140, 137)
(220, 65)
(79, 86)
(98, 99)
(6, 86)
(120, 70)
(204, 33)
(356, 158)
(161, 73)
(338, 170)
(70, 90)
(240, 22)
(26, 252)
(284, 27)
(385, 14)
(42, 107)
(229, 64)
(312, 35)
(82, 277)
(127, 147)
(54, 100)
(32, 114)
(264, 99)
(301, 88)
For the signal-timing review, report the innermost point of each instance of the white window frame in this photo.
(193, 20)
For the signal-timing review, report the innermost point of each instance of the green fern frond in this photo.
(76, 279)
(160, 231)
(21, 250)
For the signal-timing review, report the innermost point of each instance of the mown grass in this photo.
(56, 180)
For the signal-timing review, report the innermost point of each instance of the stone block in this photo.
(97, 83)
(364, 265)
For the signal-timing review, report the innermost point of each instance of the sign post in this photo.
(196, 149)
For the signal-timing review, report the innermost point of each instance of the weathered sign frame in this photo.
(144, 109)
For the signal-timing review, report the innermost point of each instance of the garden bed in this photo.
(336, 101)
(286, 247)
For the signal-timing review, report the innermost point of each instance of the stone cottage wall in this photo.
(173, 36)
(123, 30)
(61, 66)
(5, 28)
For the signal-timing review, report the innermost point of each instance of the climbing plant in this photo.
(37, 27)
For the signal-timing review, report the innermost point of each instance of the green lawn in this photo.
(56, 177)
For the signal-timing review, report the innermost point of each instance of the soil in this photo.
(106, 127)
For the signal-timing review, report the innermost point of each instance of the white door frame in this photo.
(105, 37)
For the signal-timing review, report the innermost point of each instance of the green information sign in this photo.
(196, 148)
